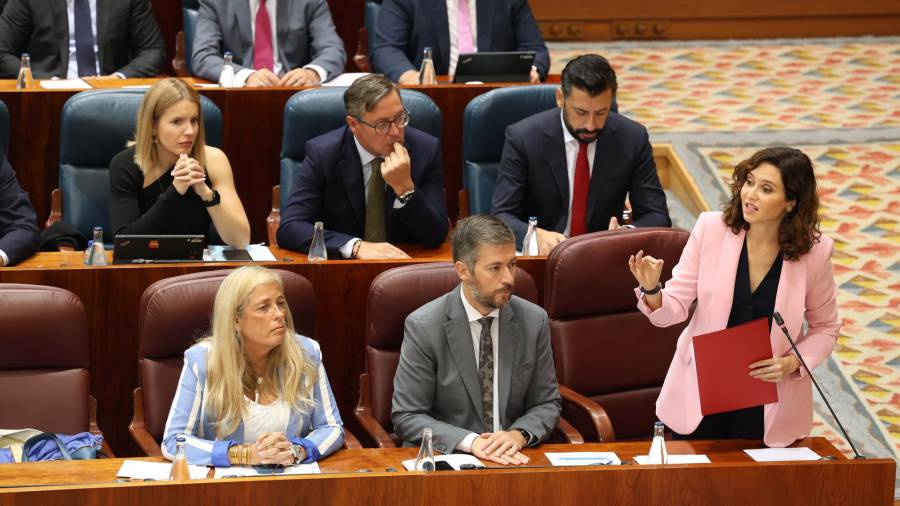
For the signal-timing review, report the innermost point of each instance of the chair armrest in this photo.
(463, 204)
(138, 430)
(95, 429)
(178, 62)
(350, 441)
(369, 424)
(56, 201)
(361, 58)
(590, 409)
(568, 432)
(273, 221)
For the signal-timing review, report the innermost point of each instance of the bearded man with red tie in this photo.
(574, 168)
(272, 42)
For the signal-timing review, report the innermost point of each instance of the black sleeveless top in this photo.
(747, 306)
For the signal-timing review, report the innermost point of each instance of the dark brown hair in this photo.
(799, 229)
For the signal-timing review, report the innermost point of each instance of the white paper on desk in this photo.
(676, 459)
(782, 454)
(159, 471)
(583, 458)
(65, 84)
(257, 252)
(345, 79)
(206, 85)
(136, 87)
(240, 471)
(454, 459)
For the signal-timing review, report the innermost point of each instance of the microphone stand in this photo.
(780, 321)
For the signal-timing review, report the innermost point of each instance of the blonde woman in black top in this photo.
(168, 181)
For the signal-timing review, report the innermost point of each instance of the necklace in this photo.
(259, 381)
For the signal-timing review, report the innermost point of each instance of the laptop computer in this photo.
(494, 67)
(145, 249)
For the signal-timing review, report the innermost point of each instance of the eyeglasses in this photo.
(383, 127)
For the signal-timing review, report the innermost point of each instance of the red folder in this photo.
(723, 373)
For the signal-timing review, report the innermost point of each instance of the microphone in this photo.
(780, 321)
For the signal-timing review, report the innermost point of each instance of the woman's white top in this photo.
(259, 419)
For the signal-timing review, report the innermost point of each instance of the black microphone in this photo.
(780, 321)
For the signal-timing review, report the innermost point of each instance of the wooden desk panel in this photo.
(252, 131)
(731, 478)
(111, 296)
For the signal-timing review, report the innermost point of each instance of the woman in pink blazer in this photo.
(763, 253)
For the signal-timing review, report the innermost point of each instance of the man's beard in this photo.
(579, 133)
(490, 301)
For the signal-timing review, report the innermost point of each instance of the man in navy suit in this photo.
(451, 28)
(19, 236)
(373, 183)
(573, 169)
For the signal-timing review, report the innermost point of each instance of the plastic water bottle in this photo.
(25, 81)
(98, 255)
(426, 72)
(179, 470)
(317, 251)
(425, 458)
(226, 79)
(658, 453)
(530, 244)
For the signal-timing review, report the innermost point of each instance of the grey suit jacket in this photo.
(305, 35)
(437, 385)
(128, 38)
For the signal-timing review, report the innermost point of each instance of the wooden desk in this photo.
(111, 296)
(251, 138)
(359, 477)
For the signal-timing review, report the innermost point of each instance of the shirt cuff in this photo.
(323, 74)
(240, 79)
(312, 451)
(347, 249)
(466, 444)
(219, 456)
(4, 260)
(398, 204)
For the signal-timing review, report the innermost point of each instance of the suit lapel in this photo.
(791, 291)
(441, 31)
(61, 22)
(508, 335)
(459, 341)
(485, 24)
(282, 12)
(555, 151)
(243, 21)
(352, 176)
(605, 153)
(726, 270)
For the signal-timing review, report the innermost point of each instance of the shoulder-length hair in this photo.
(158, 98)
(799, 229)
(228, 372)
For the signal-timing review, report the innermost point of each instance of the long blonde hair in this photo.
(229, 374)
(162, 95)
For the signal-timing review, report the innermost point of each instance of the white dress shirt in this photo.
(72, 70)
(571, 144)
(366, 159)
(452, 17)
(475, 327)
(240, 77)
(260, 418)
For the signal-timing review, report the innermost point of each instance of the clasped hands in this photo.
(296, 77)
(502, 447)
(188, 173)
(272, 448)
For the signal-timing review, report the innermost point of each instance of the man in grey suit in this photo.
(476, 364)
(273, 42)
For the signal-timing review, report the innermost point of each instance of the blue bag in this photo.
(49, 446)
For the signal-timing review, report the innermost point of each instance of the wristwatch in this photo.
(299, 453)
(406, 196)
(525, 434)
(216, 200)
(651, 292)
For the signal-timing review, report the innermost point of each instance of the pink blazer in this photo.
(706, 273)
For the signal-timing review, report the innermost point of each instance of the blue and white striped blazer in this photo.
(319, 432)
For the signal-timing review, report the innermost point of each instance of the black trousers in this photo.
(744, 423)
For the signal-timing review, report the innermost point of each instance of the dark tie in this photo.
(84, 39)
(262, 44)
(580, 192)
(486, 372)
(375, 205)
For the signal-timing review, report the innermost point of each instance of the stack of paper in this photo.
(156, 471)
(676, 459)
(583, 459)
(241, 471)
(782, 454)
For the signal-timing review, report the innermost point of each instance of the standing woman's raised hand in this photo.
(646, 269)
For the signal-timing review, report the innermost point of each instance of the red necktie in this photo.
(580, 192)
(262, 44)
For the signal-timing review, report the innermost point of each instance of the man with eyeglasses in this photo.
(373, 183)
